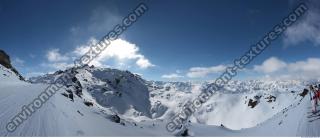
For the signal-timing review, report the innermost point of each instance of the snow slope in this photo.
(294, 120)
(230, 106)
(60, 116)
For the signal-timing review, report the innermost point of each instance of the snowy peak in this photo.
(5, 61)
(121, 91)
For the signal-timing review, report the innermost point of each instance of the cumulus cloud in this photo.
(200, 72)
(304, 69)
(172, 76)
(120, 50)
(308, 68)
(270, 65)
(122, 53)
(54, 55)
(57, 60)
(307, 29)
(144, 63)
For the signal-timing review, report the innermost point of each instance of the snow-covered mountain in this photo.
(110, 102)
(241, 104)
(120, 91)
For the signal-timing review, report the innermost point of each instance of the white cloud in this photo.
(171, 76)
(200, 72)
(178, 71)
(309, 68)
(54, 55)
(144, 63)
(18, 62)
(57, 60)
(57, 65)
(270, 65)
(305, 69)
(120, 50)
(307, 29)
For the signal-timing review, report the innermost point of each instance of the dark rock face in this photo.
(5, 61)
(271, 99)
(185, 133)
(115, 118)
(252, 103)
(304, 93)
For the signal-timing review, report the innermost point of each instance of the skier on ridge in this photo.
(313, 99)
(317, 93)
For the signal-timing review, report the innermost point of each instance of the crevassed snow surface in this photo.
(144, 107)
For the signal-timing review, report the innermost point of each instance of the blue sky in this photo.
(178, 40)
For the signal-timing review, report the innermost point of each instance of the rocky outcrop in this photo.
(304, 93)
(5, 61)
